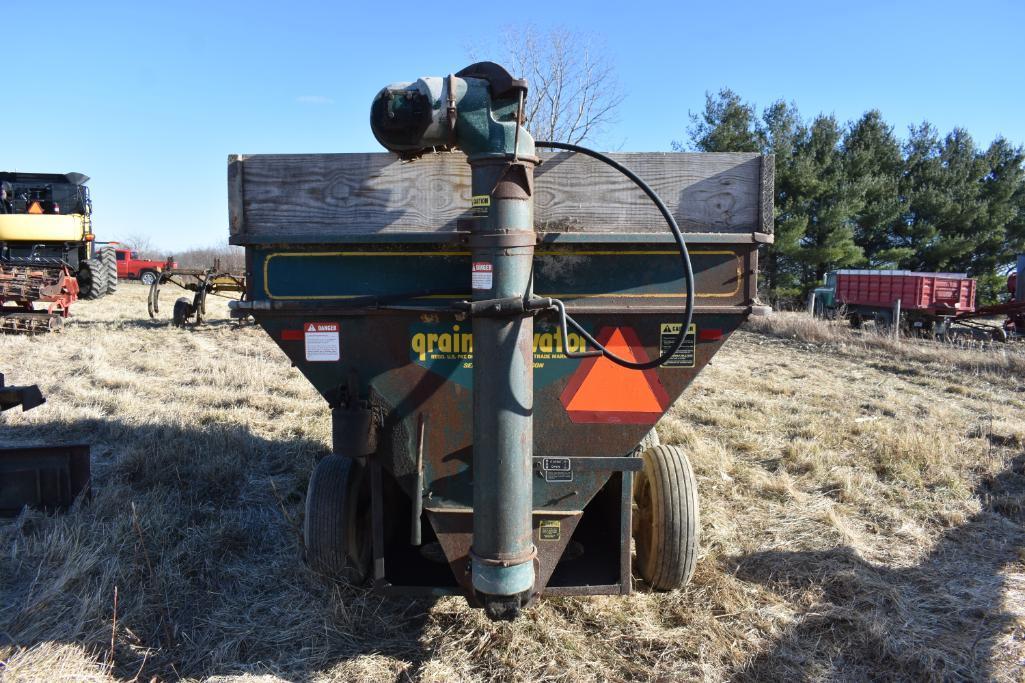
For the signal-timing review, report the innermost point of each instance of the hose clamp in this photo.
(505, 560)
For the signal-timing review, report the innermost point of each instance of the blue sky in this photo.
(149, 98)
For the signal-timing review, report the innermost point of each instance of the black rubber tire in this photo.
(99, 277)
(336, 528)
(666, 518)
(181, 312)
(109, 258)
(148, 277)
(92, 279)
(85, 279)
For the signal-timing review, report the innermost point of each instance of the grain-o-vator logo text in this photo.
(447, 349)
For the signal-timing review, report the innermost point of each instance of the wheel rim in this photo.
(643, 522)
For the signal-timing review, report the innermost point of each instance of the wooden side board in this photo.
(330, 196)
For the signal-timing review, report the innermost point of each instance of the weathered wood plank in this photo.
(339, 194)
(768, 194)
(236, 195)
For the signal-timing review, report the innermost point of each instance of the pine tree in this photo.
(728, 124)
(852, 195)
(874, 165)
(828, 200)
(1002, 226)
(782, 130)
(947, 219)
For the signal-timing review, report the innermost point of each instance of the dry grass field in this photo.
(863, 518)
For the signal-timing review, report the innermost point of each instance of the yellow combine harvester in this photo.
(46, 250)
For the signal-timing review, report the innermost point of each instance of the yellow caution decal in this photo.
(550, 530)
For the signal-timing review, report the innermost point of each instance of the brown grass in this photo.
(970, 356)
(863, 517)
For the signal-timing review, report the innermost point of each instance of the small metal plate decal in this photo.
(558, 475)
(550, 530)
(558, 464)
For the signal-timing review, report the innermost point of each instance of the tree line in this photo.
(856, 195)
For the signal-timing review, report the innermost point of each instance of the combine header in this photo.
(495, 345)
(24, 282)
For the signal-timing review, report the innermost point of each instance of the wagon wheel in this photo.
(665, 525)
(336, 530)
(883, 321)
(183, 310)
(153, 300)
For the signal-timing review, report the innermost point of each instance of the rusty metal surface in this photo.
(602, 547)
(24, 282)
(30, 322)
(610, 589)
(454, 529)
(625, 532)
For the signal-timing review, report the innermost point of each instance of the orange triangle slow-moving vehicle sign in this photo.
(602, 392)
(35, 208)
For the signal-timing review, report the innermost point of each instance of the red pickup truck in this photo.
(130, 266)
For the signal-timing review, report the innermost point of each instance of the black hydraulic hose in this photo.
(688, 314)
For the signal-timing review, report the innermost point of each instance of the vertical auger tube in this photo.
(502, 248)
(480, 111)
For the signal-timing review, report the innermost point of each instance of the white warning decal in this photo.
(481, 277)
(322, 341)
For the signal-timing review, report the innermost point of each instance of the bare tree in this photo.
(226, 256)
(142, 244)
(574, 92)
